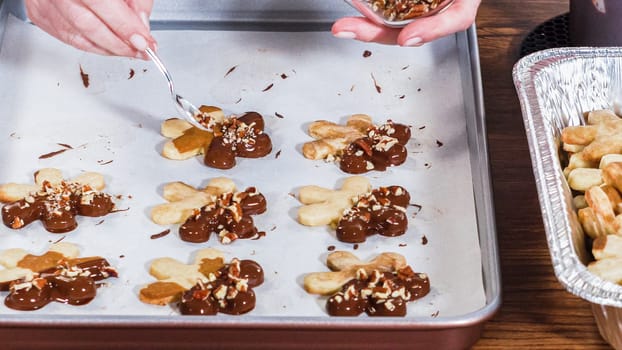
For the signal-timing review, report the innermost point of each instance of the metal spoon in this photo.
(187, 109)
(367, 10)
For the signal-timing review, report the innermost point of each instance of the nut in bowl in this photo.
(398, 13)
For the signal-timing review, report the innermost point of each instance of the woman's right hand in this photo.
(105, 27)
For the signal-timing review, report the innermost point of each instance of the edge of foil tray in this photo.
(568, 268)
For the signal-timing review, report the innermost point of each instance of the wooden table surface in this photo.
(536, 310)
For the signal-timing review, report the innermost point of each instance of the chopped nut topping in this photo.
(21, 285)
(389, 305)
(242, 285)
(17, 223)
(381, 292)
(232, 293)
(39, 283)
(234, 269)
(220, 292)
(350, 292)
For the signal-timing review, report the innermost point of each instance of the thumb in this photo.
(458, 16)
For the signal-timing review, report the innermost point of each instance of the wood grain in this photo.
(536, 312)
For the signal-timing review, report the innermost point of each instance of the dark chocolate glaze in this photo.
(230, 217)
(381, 148)
(73, 283)
(237, 137)
(379, 294)
(354, 305)
(383, 211)
(229, 291)
(57, 207)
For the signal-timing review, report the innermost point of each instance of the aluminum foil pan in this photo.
(555, 88)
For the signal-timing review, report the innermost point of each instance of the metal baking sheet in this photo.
(117, 119)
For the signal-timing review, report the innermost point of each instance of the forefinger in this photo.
(85, 23)
(123, 21)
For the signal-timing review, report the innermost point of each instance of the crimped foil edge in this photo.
(564, 233)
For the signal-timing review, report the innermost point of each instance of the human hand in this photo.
(106, 27)
(457, 17)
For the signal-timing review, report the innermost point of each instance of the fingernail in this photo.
(138, 42)
(416, 41)
(145, 18)
(345, 35)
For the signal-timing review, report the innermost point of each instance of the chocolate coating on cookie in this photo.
(229, 217)
(383, 147)
(382, 211)
(238, 137)
(73, 283)
(57, 207)
(229, 290)
(379, 293)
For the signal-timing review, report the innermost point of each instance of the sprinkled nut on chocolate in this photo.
(222, 140)
(382, 147)
(381, 211)
(237, 136)
(381, 287)
(218, 208)
(206, 287)
(229, 216)
(359, 146)
(54, 201)
(33, 281)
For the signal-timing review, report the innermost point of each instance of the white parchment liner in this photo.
(117, 119)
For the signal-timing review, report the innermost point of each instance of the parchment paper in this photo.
(113, 127)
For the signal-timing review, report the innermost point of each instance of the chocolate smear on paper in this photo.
(85, 78)
(161, 234)
(231, 70)
(268, 87)
(378, 87)
(52, 154)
